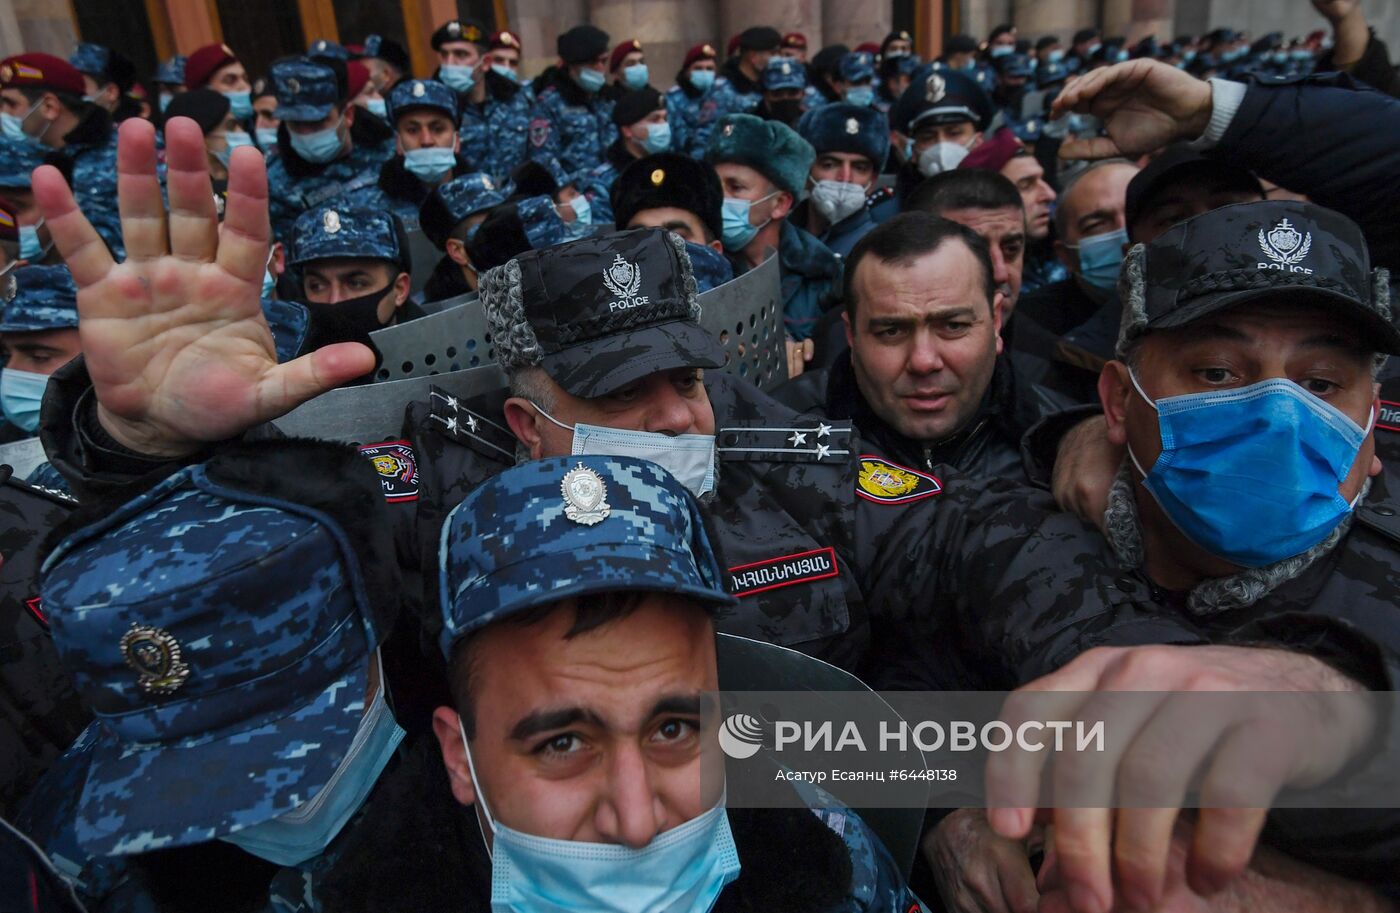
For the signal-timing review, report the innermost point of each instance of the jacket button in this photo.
(1385, 511)
(730, 440)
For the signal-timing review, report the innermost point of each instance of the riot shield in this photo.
(23, 456)
(424, 255)
(453, 339)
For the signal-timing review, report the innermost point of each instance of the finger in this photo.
(287, 386)
(1090, 149)
(246, 232)
(809, 348)
(1018, 893)
(1225, 841)
(81, 247)
(1080, 91)
(138, 191)
(1247, 772)
(194, 223)
(1082, 841)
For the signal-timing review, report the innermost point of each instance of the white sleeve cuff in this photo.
(1225, 99)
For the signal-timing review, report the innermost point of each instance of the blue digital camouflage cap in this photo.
(323, 48)
(541, 220)
(306, 89)
(37, 299)
(563, 527)
(452, 203)
(225, 691)
(172, 72)
(783, 73)
(712, 268)
(1050, 74)
(90, 58)
(1017, 66)
(18, 161)
(413, 94)
(857, 66)
(327, 232)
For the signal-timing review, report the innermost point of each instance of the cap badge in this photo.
(6, 73)
(728, 130)
(624, 280)
(851, 126)
(321, 45)
(226, 49)
(787, 68)
(473, 33)
(418, 90)
(657, 177)
(585, 496)
(293, 85)
(707, 51)
(935, 88)
(155, 655)
(331, 221)
(1285, 246)
(454, 29)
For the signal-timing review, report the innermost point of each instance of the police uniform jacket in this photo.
(89, 153)
(295, 185)
(496, 132)
(691, 114)
(569, 128)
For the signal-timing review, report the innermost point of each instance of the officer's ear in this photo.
(347, 111)
(403, 284)
(277, 261)
(1115, 387)
(457, 252)
(454, 755)
(524, 418)
(782, 205)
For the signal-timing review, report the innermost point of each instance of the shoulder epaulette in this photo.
(803, 442)
(455, 421)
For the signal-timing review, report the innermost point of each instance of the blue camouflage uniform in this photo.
(172, 71)
(734, 92)
(692, 112)
(570, 127)
(711, 268)
(90, 151)
(306, 91)
(398, 189)
(495, 134)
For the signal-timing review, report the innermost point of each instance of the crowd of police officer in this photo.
(1081, 386)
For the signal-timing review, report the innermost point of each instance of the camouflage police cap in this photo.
(327, 232)
(225, 691)
(450, 204)
(712, 268)
(541, 220)
(90, 58)
(783, 73)
(414, 94)
(599, 313)
(937, 96)
(564, 527)
(323, 48)
(172, 71)
(857, 66)
(306, 89)
(18, 161)
(1015, 66)
(1050, 74)
(37, 299)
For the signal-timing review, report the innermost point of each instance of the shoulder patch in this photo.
(35, 605)
(397, 468)
(889, 483)
(539, 132)
(1389, 418)
(785, 570)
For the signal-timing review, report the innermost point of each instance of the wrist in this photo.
(140, 442)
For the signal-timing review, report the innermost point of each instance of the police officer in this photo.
(571, 124)
(784, 82)
(1014, 74)
(960, 56)
(265, 121)
(215, 66)
(681, 195)
(518, 225)
(108, 77)
(170, 80)
(690, 104)
(41, 103)
(858, 78)
(449, 217)
(642, 129)
(317, 163)
(222, 131)
(764, 167)
(851, 144)
(741, 90)
(496, 115)
(944, 115)
(38, 335)
(29, 235)
(895, 74)
(794, 47)
(424, 115)
(627, 70)
(387, 60)
(458, 45)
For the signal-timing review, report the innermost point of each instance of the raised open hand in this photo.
(1144, 105)
(174, 337)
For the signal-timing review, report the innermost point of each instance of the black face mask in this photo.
(787, 110)
(351, 320)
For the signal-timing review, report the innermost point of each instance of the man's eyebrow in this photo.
(1349, 344)
(675, 225)
(677, 704)
(1214, 332)
(1094, 216)
(542, 721)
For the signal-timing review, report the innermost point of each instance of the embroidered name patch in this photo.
(889, 483)
(788, 570)
(397, 469)
(1389, 419)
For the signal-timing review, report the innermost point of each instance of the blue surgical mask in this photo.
(165, 99)
(1000, 50)
(320, 147)
(1092, 49)
(269, 283)
(736, 229)
(1056, 55)
(267, 137)
(583, 210)
(1188, 57)
(459, 78)
(658, 138)
(13, 128)
(688, 457)
(1100, 256)
(232, 141)
(430, 164)
(702, 79)
(304, 832)
(30, 247)
(21, 394)
(505, 72)
(378, 107)
(682, 870)
(590, 80)
(860, 96)
(1302, 54)
(240, 104)
(635, 76)
(1251, 474)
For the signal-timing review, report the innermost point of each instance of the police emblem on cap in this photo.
(454, 29)
(728, 129)
(473, 33)
(787, 68)
(707, 50)
(1285, 245)
(331, 221)
(321, 45)
(934, 89)
(155, 655)
(6, 74)
(293, 85)
(585, 496)
(624, 280)
(418, 90)
(851, 126)
(657, 177)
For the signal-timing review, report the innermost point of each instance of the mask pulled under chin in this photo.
(351, 320)
(688, 457)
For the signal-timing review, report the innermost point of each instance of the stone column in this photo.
(666, 29)
(37, 25)
(1035, 18)
(803, 16)
(538, 23)
(852, 22)
(1136, 19)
